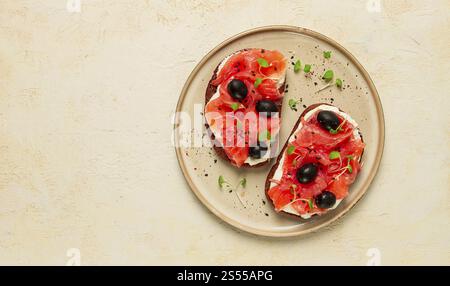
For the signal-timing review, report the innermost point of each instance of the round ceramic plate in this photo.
(201, 167)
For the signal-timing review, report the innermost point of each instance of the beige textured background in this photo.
(86, 161)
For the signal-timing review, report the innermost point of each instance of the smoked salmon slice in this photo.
(243, 101)
(318, 164)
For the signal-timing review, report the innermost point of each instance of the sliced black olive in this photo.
(237, 89)
(257, 152)
(328, 120)
(325, 200)
(307, 173)
(267, 106)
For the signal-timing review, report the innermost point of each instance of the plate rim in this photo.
(381, 126)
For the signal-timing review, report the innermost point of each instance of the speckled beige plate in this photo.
(359, 98)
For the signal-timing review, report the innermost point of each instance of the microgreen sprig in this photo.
(349, 166)
(225, 184)
(338, 129)
(307, 68)
(309, 201)
(293, 104)
(328, 75)
(257, 82)
(290, 150)
(263, 62)
(297, 66)
(234, 106)
(334, 155)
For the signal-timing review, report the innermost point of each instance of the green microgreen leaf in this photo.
(310, 204)
(234, 106)
(263, 63)
(327, 54)
(258, 81)
(349, 167)
(290, 149)
(309, 201)
(297, 66)
(334, 155)
(328, 75)
(221, 181)
(307, 68)
(293, 104)
(336, 131)
(243, 182)
(339, 82)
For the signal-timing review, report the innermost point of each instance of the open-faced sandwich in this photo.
(242, 106)
(317, 165)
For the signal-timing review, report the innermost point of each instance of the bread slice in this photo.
(211, 90)
(268, 183)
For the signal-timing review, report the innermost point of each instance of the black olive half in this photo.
(307, 173)
(237, 89)
(257, 152)
(328, 120)
(267, 106)
(325, 200)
